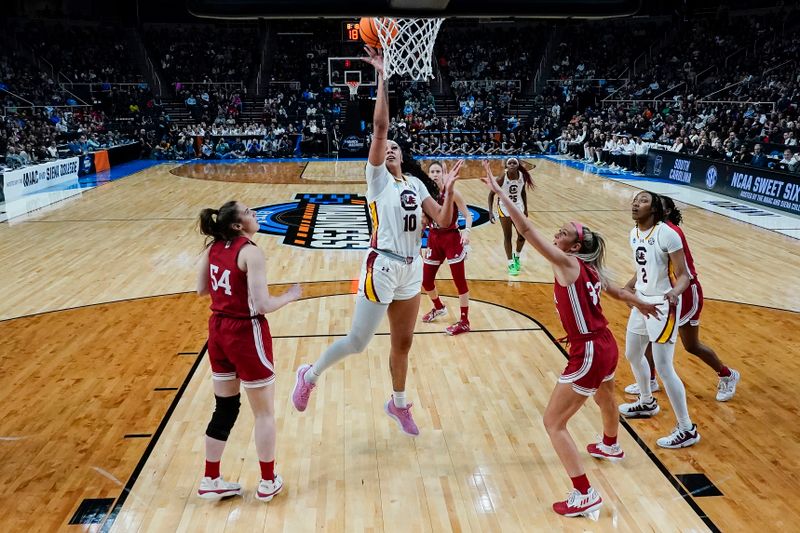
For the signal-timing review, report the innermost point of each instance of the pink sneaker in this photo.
(302, 389)
(458, 328)
(402, 416)
(431, 315)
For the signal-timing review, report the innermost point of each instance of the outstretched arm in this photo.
(632, 300)
(380, 118)
(263, 302)
(442, 214)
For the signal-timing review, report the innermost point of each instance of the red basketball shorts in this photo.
(444, 245)
(691, 304)
(240, 349)
(591, 362)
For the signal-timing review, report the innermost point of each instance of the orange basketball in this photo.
(369, 32)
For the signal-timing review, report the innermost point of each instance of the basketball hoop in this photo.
(408, 46)
(353, 86)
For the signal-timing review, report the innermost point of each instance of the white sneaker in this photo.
(727, 386)
(680, 438)
(638, 409)
(633, 388)
(269, 489)
(215, 489)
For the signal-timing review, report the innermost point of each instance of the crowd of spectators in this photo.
(203, 53)
(485, 68)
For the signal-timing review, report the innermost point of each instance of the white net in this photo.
(353, 86)
(408, 46)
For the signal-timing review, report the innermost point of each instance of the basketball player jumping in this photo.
(661, 277)
(576, 254)
(391, 275)
(233, 270)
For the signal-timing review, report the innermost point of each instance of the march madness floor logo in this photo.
(329, 221)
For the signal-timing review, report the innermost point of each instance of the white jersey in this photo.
(654, 271)
(513, 188)
(395, 209)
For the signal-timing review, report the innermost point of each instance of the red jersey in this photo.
(226, 283)
(453, 223)
(578, 304)
(686, 252)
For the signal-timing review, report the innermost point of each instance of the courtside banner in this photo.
(28, 180)
(777, 190)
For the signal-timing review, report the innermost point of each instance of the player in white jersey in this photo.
(391, 276)
(661, 276)
(513, 182)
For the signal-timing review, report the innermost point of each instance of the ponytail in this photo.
(674, 215)
(527, 176)
(593, 253)
(216, 223)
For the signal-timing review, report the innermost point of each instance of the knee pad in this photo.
(459, 277)
(225, 414)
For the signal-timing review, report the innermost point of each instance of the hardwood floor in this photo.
(96, 311)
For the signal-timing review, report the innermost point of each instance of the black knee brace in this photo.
(224, 417)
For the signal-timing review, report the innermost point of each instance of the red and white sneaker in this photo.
(402, 416)
(611, 453)
(458, 328)
(578, 504)
(680, 438)
(268, 489)
(433, 314)
(216, 489)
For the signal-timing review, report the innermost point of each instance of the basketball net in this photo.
(353, 86)
(408, 46)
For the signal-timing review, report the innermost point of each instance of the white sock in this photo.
(399, 399)
(311, 376)
(515, 255)
(663, 355)
(510, 262)
(635, 346)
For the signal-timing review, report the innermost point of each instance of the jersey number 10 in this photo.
(410, 222)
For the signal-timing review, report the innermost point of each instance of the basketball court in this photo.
(99, 311)
(107, 388)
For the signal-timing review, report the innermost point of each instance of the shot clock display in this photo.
(350, 31)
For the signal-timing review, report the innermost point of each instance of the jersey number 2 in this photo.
(224, 280)
(644, 275)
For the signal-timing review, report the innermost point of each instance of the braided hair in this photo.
(674, 214)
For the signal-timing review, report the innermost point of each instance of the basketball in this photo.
(369, 33)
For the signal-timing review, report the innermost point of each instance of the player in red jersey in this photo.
(576, 254)
(447, 244)
(234, 271)
(689, 321)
